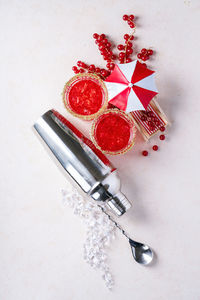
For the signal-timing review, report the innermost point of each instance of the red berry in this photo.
(131, 37)
(92, 68)
(143, 57)
(108, 45)
(120, 47)
(144, 51)
(129, 44)
(74, 68)
(125, 17)
(101, 47)
(145, 153)
(113, 57)
(162, 137)
(155, 148)
(149, 52)
(131, 17)
(104, 73)
(128, 60)
(139, 55)
(102, 36)
(129, 51)
(82, 70)
(108, 65)
(162, 128)
(157, 123)
(150, 123)
(121, 55)
(97, 70)
(103, 51)
(126, 36)
(104, 41)
(143, 118)
(112, 65)
(95, 36)
(150, 113)
(79, 63)
(154, 118)
(84, 66)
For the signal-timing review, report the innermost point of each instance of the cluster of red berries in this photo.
(129, 19)
(151, 120)
(128, 49)
(105, 49)
(145, 54)
(83, 67)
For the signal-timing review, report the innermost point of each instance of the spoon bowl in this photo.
(142, 253)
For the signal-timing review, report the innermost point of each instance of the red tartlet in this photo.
(85, 96)
(113, 132)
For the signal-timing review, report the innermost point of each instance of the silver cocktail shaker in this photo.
(86, 165)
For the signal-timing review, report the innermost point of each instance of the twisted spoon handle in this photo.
(116, 224)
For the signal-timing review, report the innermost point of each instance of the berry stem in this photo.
(126, 45)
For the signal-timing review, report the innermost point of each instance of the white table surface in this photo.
(41, 240)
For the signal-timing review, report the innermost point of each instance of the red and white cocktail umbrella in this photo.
(131, 86)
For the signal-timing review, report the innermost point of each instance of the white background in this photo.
(40, 239)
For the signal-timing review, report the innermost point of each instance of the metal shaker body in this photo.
(85, 164)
